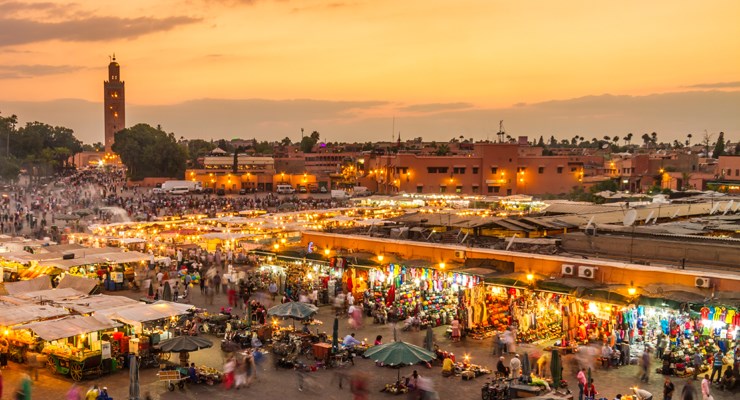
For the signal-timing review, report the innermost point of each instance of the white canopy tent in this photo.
(69, 327)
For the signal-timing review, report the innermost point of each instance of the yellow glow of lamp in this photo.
(530, 277)
(327, 251)
(631, 291)
(275, 246)
(442, 265)
(380, 257)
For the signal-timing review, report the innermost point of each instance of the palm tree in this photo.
(615, 139)
(443, 149)
(628, 139)
(654, 137)
(646, 139)
(688, 139)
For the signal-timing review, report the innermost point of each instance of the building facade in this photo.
(495, 169)
(114, 104)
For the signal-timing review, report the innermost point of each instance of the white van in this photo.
(285, 189)
(180, 190)
(339, 195)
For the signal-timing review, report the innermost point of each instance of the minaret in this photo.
(114, 103)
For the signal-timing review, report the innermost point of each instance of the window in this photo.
(508, 192)
(490, 189)
(476, 190)
(521, 169)
(541, 170)
(573, 169)
(494, 189)
(458, 170)
(494, 170)
(419, 189)
(729, 172)
(475, 170)
(560, 170)
(443, 189)
(442, 170)
(458, 189)
(737, 172)
(432, 170)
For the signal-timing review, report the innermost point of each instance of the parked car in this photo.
(323, 189)
(220, 192)
(242, 191)
(302, 189)
(208, 190)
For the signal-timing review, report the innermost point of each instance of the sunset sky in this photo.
(266, 68)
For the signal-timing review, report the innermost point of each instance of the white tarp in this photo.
(30, 312)
(97, 303)
(147, 312)
(51, 294)
(43, 282)
(69, 327)
(84, 285)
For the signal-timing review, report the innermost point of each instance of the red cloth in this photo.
(391, 296)
(349, 283)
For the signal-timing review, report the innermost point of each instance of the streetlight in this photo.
(327, 251)
(442, 265)
(380, 257)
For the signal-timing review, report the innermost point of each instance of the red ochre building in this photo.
(496, 169)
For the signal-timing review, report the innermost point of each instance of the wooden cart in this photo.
(77, 367)
(172, 378)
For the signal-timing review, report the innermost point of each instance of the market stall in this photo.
(75, 345)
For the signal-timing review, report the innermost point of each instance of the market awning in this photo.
(514, 279)
(31, 312)
(41, 283)
(69, 327)
(51, 294)
(567, 285)
(147, 312)
(125, 257)
(604, 295)
(84, 285)
(96, 303)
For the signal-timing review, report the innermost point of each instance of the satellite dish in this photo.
(715, 208)
(629, 218)
(729, 206)
(605, 146)
(650, 216)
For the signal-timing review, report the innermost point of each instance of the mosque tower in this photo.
(114, 102)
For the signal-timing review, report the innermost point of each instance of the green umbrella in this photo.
(399, 353)
(335, 336)
(555, 369)
(293, 309)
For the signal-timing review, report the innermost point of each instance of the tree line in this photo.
(39, 148)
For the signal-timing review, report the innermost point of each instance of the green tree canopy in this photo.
(719, 147)
(150, 152)
(198, 148)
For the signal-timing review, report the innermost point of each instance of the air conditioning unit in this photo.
(586, 272)
(68, 256)
(701, 282)
(460, 253)
(568, 270)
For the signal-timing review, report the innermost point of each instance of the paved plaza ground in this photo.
(282, 384)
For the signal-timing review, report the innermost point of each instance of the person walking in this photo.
(515, 365)
(706, 388)
(645, 366)
(716, 366)
(688, 392)
(581, 382)
(590, 391)
(668, 389)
